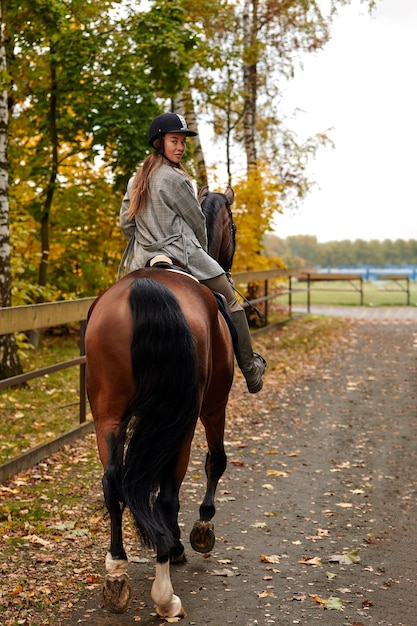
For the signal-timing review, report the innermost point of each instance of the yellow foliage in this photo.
(256, 202)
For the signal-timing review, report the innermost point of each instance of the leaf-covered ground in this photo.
(24, 422)
(316, 513)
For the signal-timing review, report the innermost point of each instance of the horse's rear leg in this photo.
(116, 588)
(167, 604)
(202, 536)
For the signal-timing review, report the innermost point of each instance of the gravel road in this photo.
(317, 514)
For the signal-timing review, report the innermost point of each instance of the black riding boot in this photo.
(251, 363)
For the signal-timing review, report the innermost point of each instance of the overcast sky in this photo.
(363, 84)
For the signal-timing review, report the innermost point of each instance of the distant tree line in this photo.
(303, 250)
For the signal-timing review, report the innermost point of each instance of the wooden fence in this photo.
(355, 281)
(399, 283)
(40, 316)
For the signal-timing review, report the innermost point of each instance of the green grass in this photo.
(344, 293)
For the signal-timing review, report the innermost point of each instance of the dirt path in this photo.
(325, 470)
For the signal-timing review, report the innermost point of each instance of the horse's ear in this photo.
(230, 195)
(203, 192)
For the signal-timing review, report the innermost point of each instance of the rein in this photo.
(244, 298)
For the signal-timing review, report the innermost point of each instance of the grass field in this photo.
(383, 293)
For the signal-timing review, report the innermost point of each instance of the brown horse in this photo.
(159, 355)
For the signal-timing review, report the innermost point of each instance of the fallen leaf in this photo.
(92, 578)
(63, 526)
(273, 558)
(315, 560)
(299, 597)
(137, 559)
(346, 558)
(317, 599)
(334, 603)
(331, 603)
(224, 572)
(276, 473)
(37, 541)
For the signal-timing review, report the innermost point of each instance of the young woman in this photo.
(161, 210)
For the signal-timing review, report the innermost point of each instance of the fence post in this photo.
(83, 402)
(266, 301)
(290, 295)
(308, 292)
(361, 283)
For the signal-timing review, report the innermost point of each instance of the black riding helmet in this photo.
(167, 123)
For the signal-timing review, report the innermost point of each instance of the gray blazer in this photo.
(172, 224)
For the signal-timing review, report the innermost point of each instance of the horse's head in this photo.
(221, 230)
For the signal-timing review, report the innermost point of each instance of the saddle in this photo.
(165, 262)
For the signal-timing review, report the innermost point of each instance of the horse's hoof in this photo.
(202, 537)
(116, 593)
(171, 610)
(179, 558)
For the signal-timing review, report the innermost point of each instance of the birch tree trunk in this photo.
(9, 359)
(183, 104)
(250, 80)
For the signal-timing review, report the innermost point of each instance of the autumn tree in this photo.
(85, 89)
(260, 44)
(51, 51)
(86, 83)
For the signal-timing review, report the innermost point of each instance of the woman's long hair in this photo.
(140, 192)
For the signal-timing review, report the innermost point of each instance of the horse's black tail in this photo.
(164, 408)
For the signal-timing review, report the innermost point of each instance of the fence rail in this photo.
(47, 315)
(355, 281)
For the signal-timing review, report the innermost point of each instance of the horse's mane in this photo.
(220, 232)
(211, 204)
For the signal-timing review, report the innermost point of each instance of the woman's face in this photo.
(174, 146)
